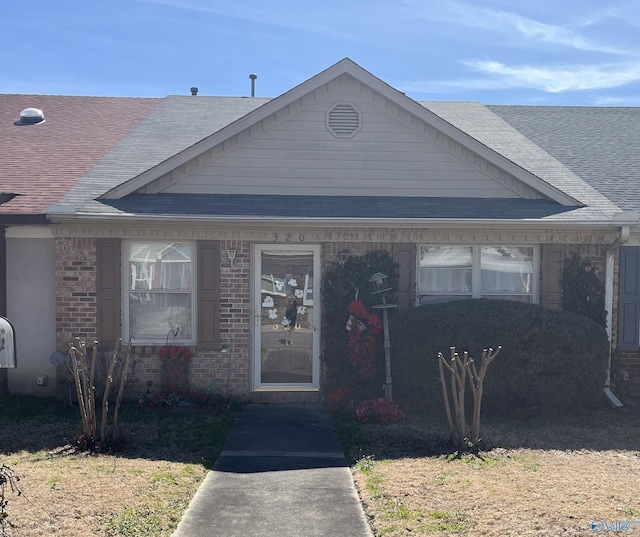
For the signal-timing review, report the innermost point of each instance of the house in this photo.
(208, 222)
(41, 157)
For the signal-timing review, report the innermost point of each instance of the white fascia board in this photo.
(439, 223)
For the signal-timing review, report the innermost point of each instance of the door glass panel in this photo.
(286, 317)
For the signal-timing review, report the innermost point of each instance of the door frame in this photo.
(256, 305)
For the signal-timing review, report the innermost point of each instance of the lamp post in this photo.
(380, 284)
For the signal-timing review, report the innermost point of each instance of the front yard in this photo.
(140, 491)
(572, 477)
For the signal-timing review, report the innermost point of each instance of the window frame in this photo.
(476, 274)
(127, 290)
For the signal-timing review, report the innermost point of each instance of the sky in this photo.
(542, 52)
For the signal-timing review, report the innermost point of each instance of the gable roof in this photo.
(388, 98)
(175, 125)
(533, 154)
(599, 144)
(177, 130)
(40, 162)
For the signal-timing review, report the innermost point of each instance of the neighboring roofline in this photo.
(345, 66)
(23, 219)
(617, 221)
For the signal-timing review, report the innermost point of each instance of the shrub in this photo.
(339, 399)
(379, 410)
(551, 361)
(341, 287)
(583, 290)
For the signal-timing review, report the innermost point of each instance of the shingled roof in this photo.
(39, 163)
(89, 146)
(176, 124)
(180, 122)
(599, 144)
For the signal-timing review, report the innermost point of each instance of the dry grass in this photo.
(537, 478)
(139, 490)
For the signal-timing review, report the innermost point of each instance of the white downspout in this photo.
(608, 298)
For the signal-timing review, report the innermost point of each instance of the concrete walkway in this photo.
(282, 473)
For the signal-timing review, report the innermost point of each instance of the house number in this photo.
(287, 237)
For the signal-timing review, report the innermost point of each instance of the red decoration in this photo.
(363, 337)
(379, 410)
(175, 362)
(174, 352)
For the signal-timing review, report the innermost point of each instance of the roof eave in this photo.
(617, 221)
(23, 219)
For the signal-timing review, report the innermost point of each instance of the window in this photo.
(159, 291)
(454, 272)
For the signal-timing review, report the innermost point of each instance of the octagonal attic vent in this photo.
(343, 120)
(31, 116)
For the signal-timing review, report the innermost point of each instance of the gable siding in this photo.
(299, 155)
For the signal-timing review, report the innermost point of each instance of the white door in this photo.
(287, 317)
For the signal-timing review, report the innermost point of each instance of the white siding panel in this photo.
(388, 156)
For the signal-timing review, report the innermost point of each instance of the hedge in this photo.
(551, 361)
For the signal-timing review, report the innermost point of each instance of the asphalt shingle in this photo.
(334, 206)
(40, 163)
(599, 144)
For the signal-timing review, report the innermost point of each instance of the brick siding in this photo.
(76, 308)
(230, 370)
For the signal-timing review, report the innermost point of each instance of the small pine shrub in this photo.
(551, 361)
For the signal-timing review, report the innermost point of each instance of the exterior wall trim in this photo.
(299, 233)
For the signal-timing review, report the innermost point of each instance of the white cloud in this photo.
(558, 79)
(547, 79)
(510, 24)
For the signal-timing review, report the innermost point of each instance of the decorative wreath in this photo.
(364, 330)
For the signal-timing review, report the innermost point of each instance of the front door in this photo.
(287, 317)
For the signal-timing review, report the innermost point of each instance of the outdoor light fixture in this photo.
(231, 254)
(344, 256)
(380, 284)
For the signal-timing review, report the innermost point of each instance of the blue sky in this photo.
(575, 52)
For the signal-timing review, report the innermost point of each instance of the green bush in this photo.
(340, 286)
(551, 361)
(583, 290)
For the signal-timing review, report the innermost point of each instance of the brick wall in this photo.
(235, 317)
(227, 370)
(75, 290)
(230, 370)
(76, 312)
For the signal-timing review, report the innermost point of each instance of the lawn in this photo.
(139, 490)
(533, 478)
(574, 476)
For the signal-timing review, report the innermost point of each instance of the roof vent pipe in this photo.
(253, 77)
(194, 91)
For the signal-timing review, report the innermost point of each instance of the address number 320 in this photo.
(288, 237)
